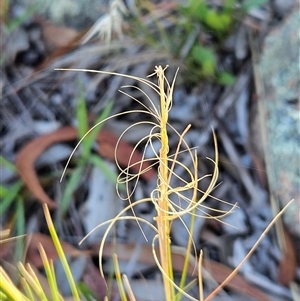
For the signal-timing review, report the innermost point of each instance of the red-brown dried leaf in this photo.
(33, 254)
(107, 142)
(288, 262)
(57, 36)
(31, 151)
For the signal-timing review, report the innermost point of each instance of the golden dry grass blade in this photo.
(61, 254)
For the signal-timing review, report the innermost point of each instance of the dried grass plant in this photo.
(167, 211)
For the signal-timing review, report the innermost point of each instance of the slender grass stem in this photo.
(163, 224)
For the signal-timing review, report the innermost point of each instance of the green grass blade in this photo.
(105, 113)
(20, 228)
(8, 195)
(50, 274)
(33, 281)
(187, 257)
(119, 278)
(102, 165)
(89, 140)
(83, 125)
(8, 289)
(27, 289)
(71, 186)
(87, 293)
(61, 254)
(7, 164)
(82, 119)
(3, 297)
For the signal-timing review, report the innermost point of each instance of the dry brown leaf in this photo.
(6, 249)
(31, 151)
(60, 47)
(33, 255)
(59, 39)
(56, 36)
(288, 262)
(107, 142)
